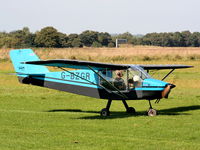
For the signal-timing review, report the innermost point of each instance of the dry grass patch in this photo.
(130, 54)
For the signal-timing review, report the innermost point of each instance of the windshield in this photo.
(138, 71)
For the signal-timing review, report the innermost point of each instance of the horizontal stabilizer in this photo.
(31, 74)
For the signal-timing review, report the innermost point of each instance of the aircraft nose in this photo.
(166, 91)
(172, 86)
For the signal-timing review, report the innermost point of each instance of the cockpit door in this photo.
(136, 76)
(114, 79)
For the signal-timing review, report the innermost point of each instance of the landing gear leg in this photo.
(105, 111)
(151, 111)
(128, 109)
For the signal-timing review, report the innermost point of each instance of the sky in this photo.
(112, 16)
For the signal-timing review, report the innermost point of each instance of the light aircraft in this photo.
(100, 80)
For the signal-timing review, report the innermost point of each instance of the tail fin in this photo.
(22, 55)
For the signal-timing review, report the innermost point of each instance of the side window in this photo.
(120, 79)
(114, 79)
(107, 75)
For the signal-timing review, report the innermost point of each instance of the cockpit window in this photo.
(123, 79)
(113, 79)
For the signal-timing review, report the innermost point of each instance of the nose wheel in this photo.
(151, 111)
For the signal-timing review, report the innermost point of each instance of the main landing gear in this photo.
(105, 111)
(151, 111)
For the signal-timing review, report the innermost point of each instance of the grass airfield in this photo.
(39, 118)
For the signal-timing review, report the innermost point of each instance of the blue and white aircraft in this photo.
(100, 80)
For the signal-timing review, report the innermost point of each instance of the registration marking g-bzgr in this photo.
(75, 75)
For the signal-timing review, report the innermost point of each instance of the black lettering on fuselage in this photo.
(82, 75)
(64, 75)
(76, 76)
(72, 76)
(87, 76)
(21, 68)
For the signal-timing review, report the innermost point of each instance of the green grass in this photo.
(38, 118)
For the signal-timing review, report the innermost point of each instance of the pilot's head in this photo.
(119, 73)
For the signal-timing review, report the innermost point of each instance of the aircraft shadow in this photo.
(71, 110)
(178, 110)
(120, 114)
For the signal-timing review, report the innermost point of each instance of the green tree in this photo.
(48, 37)
(63, 39)
(17, 39)
(186, 38)
(195, 39)
(74, 41)
(177, 39)
(128, 36)
(88, 37)
(104, 39)
(111, 44)
(6, 41)
(96, 44)
(146, 40)
(77, 43)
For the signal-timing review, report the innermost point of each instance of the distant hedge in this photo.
(50, 37)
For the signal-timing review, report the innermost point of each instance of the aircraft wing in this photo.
(161, 67)
(78, 64)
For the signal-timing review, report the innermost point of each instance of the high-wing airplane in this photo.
(100, 80)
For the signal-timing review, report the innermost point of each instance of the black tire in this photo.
(151, 112)
(105, 112)
(131, 110)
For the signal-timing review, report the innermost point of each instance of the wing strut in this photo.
(120, 93)
(168, 74)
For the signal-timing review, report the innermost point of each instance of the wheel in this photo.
(131, 110)
(151, 112)
(105, 112)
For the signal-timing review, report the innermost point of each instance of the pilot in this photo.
(134, 82)
(119, 82)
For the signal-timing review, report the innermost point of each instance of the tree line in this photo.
(171, 39)
(50, 37)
